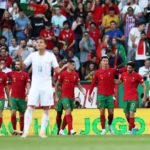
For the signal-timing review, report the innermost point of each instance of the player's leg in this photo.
(44, 121)
(101, 104)
(127, 110)
(68, 107)
(59, 110)
(1, 111)
(22, 105)
(133, 106)
(110, 106)
(33, 100)
(14, 108)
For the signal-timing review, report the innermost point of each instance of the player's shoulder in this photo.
(3, 74)
(24, 73)
(75, 73)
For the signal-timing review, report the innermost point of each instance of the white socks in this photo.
(27, 119)
(44, 121)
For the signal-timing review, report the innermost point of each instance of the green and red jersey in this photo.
(3, 83)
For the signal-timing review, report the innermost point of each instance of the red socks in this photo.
(13, 120)
(110, 119)
(128, 119)
(1, 121)
(102, 117)
(58, 121)
(21, 122)
(64, 123)
(131, 124)
(69, 122)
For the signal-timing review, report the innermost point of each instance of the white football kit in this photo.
(41, 92)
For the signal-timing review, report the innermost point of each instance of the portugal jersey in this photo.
(3, 83)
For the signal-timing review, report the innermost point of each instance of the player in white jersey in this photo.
(41, 86)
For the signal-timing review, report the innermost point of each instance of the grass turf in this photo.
(139, 142)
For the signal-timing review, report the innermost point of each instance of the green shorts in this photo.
(68, 103)
(59, 105)
(2, 103)
(105, 101)
(18, 104)
(130, 106)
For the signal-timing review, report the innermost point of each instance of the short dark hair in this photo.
(111, 9)
(104, 57)
(71, 61)
(65, 22)
(131, 63)
(113, 22)
(41, 38)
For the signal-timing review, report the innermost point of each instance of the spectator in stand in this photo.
(5, 69)
(90, 71)
(87, 45)
(109, 4)
(7, 27)
(22, 26)
(134, 37)
(37, 23)
(23, 50)
(88, 6)
(5, 56)
(129, 20)
(88, 20)
(78, 29)
(66, 39)
(98, 12)
(48, 35)
(58, 19)
(72, 56)
(94, 33)
(13, 49)
(108, 18)
(144, 71)
(143, 51)
(14, 11)
(56, 52)
(79, 11)
(3, 41)
(114, 32)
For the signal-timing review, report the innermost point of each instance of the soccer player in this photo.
(131, 80)
(68, 80)
(105, 77)
(20, 84)
(3, 87)
(41, 91)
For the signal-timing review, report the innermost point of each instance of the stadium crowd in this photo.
(83, 30)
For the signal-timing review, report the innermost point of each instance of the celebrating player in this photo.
(105, 78)
(41, 91)
(3, 87)
(68, 79)
(20, 84)
(131, 80)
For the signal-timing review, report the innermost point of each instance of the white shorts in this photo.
(40, 96)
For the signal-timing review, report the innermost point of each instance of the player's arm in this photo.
(81, 88)
(7, 94)
(144, 91)
(58, 70)
(56, 90)
(95, 78)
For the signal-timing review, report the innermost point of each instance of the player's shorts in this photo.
(130, 106)
(105, 101)
(68, 103)
(2, 103)
(40, 96)
(18, 104)
(59, 105)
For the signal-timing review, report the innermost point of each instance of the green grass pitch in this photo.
(126, 142)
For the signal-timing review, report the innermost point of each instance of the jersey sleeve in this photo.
(54, 62)
(60, 78)
(121, 78)
(28, 60)
(140, 79)
(28, 78)
(95, 78)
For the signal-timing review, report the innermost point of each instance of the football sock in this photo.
(69, 122)
(110, 119)
(131, 124)
(58, 121)
(64, 123)
(13, 121)
(102, 117)
(1, 121)
(44, 122)
(21, 122)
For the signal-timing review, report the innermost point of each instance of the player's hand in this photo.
(56, 99)
(83, 92)
(144, 99)
(26, 99)
(9, 103)
(90, 99)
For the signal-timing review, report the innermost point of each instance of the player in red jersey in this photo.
(3, 87)
(105, 77)
(20, 84)
(68, 80)
(131, 80)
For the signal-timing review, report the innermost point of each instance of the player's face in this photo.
(72, 66)
(130, 69)
(41, 45)
(104, 63)
(18, 66)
